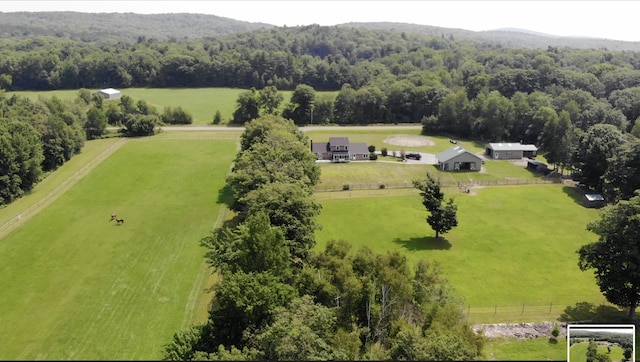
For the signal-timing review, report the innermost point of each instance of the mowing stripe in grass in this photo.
(23, 209)
(76, 286)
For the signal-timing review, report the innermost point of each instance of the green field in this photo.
(202, 103)
(79, 287)
(76, 286)
(514, 245)
(531, 349)
(578, 352)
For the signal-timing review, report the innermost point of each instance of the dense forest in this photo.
(580, 106)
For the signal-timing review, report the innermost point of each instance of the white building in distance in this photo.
(110, 93)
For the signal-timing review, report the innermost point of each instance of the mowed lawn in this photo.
(578, 352)
(529, 349)
(514, 245)
(76, 286)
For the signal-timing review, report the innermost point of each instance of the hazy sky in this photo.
(601, 19)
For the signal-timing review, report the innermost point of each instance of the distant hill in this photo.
(120, 26)
(510, 37)
(129, 27)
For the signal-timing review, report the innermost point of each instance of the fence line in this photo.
(463, 186)
(60, 188)
(522, 309)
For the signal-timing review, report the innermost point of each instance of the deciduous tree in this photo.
(442, 215)
(615, 257)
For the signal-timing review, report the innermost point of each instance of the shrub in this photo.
(373, 156)
(176, 116)
(217, 119)
(555, 331)
(345, 187)
(384, 151)
(382, 186)
(372, 148)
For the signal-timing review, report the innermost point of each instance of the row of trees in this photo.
(599, 152)
(36, 137)
(281, 300)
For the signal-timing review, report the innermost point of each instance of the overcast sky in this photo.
(616, 20)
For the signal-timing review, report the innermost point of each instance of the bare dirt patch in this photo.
(408, 140)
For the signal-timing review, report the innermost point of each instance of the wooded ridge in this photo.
(128, 27)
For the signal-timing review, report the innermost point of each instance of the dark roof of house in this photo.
(339, 141)
(359, 148)
(445, 156)
(319, 147)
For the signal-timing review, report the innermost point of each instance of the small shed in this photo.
(458, 159)
(110, 93)
(593, 200)
(538, 166)
(510, 151)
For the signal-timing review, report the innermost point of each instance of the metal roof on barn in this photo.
(516, 146)
(445, 156)
(110, 91)
(594, 197)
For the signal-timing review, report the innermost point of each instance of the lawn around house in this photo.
(514, 245)
(77, 286)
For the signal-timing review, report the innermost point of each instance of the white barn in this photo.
(506, 151)
(458, 159)
(110, 93)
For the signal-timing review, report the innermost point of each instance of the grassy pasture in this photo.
(533, 349)
(76, 286)
(578, 352)
(513, 245)
(202, 103)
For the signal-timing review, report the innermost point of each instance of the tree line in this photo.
(549, 97)
(280, 299)
(38, 136)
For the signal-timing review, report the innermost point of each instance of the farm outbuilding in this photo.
(110, 93)
(510, 151)
(593, 200)
(458, 159)
(538, 166)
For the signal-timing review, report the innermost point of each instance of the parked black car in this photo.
(413, 156)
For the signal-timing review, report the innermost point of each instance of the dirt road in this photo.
(304, 129)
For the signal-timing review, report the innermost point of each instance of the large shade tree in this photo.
(615, 257)
(442, 214)
(595, 147)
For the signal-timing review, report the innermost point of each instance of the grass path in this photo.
(50, 189)
(77, 286)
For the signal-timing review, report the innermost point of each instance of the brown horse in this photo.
(119, 221)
